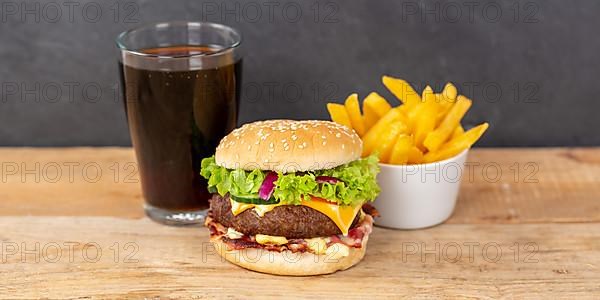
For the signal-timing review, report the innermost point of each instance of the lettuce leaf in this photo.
(357, 184)
(236, 182)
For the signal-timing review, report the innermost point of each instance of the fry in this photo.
(445, 105)
(426, 91)
(426, 119)
(450, 91)
(436, 138)
(338, 114)
(374, 107)
(458, 131)
(353, 110)
(426, 107)
(415, 156)
(445, 100)
(402, 90)
(457, 144)
(387, 141)
(371, 137)
(377, 104)
(401, 150)
(369, 118)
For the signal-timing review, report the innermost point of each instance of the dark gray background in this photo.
(531, 67)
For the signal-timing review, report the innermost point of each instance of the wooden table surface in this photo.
(527, 224)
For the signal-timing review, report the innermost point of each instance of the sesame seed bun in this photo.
(288, 146)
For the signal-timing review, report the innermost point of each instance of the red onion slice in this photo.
(268, 186)
(328, 179)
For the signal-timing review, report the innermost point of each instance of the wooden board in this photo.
(51, 231)
(551, 185)
(174, 262)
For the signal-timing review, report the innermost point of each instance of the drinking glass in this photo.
(181, 85)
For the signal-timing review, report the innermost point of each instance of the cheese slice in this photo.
(342, 216)
(270, 239)
(238, 208)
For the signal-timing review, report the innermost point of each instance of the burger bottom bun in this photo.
(287, 262)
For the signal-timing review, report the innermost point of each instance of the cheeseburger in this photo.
(291, 197)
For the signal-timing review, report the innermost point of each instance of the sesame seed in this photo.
(338, 135)
(271, 145)
(324, 143)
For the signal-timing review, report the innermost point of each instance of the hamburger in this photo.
(291, 197)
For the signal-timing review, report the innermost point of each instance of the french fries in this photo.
(353, 110)
(445, 100)
(426, 92)
(402, 90)
(450, 91)
(425, 119)
(457, 144)
(425, 128)
(458, 131)
(415, 156)
(401, 150)
(371, 139)
(439, 136)
(388, 140)
(374, 107)
(338, 114)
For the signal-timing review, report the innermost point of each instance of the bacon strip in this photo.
(370, 210)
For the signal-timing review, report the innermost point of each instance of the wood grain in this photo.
(80, 235)
(178, 262)
(87, 182)
(551, 185)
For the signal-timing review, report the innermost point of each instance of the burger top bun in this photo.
(288, 146)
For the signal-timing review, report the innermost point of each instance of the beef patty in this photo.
(290, 221)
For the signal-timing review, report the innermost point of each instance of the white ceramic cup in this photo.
(418, 196)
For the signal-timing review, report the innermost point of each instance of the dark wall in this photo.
(531, 66)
